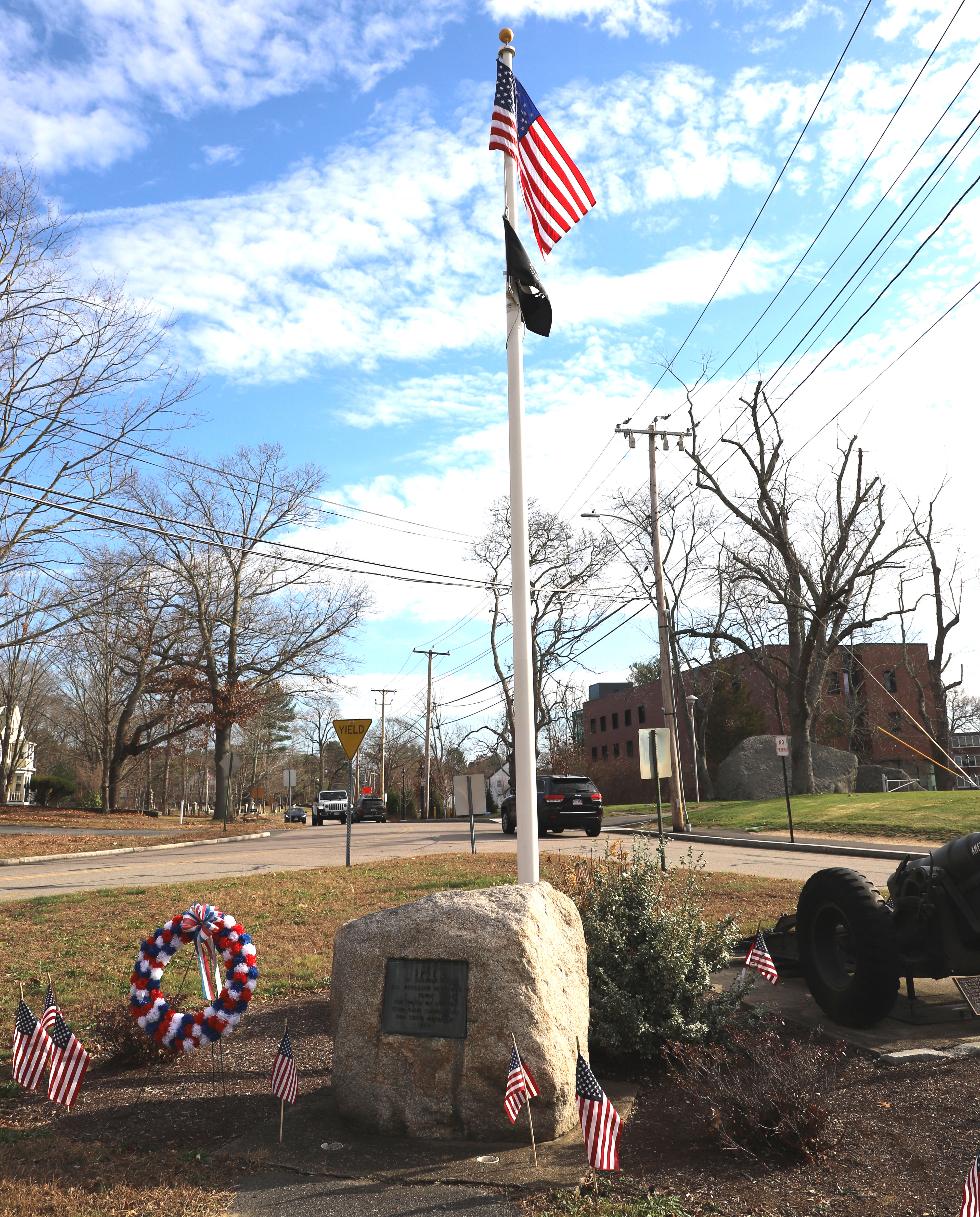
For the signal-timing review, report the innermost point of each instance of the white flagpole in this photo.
(525, 789)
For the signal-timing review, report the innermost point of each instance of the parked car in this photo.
(330, 805)
(295, 815)
(368, 807)
(565, 800)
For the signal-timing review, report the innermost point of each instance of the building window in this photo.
(629, 747)
(615, 749)
(833, 682)
(595, 753)
(602, 722)
(890, 683)
(895, 721)
(627, 717)
(641, 714)
(605, 751)
(615, 721)
(592, 726)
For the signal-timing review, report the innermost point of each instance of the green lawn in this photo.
(932, 815)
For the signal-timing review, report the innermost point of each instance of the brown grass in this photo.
(165, 831)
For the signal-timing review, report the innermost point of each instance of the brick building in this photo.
(965, 747)
(867, 687)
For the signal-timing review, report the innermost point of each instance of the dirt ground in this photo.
(899, 1142)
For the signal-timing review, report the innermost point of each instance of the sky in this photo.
(304, 190)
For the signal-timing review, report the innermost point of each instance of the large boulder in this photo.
(752, 770)
(522, 951)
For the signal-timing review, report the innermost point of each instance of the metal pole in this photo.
(660, 810)
(694, 747)
(350, 804)
(428, 725)
(789, 809)
(525, 759)
(384, 693)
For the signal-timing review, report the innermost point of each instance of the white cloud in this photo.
(221, 154)
(652, 18)
(90, 107)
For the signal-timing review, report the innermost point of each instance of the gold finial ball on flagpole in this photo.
(506, 36)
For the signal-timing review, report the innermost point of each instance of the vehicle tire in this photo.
(508, 825)
(542, 830)
(558, 831)
(847, 947)
(593, 829)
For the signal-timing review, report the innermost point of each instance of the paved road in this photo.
(271, 1196)
(306, 848)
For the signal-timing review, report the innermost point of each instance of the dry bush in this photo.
(760, 1091)
(120, 1042)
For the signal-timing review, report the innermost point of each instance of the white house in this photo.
(20, 781)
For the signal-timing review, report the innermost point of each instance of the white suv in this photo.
(330, 805)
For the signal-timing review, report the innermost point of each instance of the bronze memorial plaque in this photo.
(425, 997)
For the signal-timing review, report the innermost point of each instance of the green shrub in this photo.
(651, 956)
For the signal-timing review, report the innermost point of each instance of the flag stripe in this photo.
(601, 1125)
(971, 1191)
(555, 191)
(759, 959)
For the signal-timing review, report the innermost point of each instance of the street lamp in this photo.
(691, 699)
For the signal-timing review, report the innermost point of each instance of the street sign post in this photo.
(782, 751)
(655, 755)
(351, 733)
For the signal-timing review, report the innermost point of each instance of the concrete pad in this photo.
(940, 999)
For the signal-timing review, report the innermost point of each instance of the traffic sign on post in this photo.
(782, 751)
(782, 745)
(351, 733)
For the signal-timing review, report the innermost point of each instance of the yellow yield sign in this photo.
(351, 733)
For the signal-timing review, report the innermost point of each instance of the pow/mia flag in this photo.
(531, 297)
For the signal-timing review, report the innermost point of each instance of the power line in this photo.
(738, 251)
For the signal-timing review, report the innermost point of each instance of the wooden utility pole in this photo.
(428, 724)
(384, 693)
(678, 812)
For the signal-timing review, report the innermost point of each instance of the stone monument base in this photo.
(424, 1001)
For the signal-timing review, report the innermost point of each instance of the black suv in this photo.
(369, 807)
(564, 801)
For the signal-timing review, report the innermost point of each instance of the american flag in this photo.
(30, 1050)
(971, 1191)
(520, 1086)
(555, 192)
(760, 960)
(50, 1011)
(600, 1120)
(69, 1061)
(285, 1083)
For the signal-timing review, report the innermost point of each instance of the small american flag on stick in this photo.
(520, 1086)
(555, 192)
(971, 1191)
(30, 1049)
(601, 1125)
(759, 960)
(285, 1082)
(69, 1062)
(50, 1011)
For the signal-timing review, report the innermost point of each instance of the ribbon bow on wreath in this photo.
(199, 919)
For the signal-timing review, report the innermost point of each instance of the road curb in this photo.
(133, 849)
(797, 847)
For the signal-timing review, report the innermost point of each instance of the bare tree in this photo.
(82, 370)
(945, 594)
(122, 665)
(803, 563)
(260, 618)
(564, 568)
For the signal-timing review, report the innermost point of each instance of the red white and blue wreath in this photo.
(202, 925)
